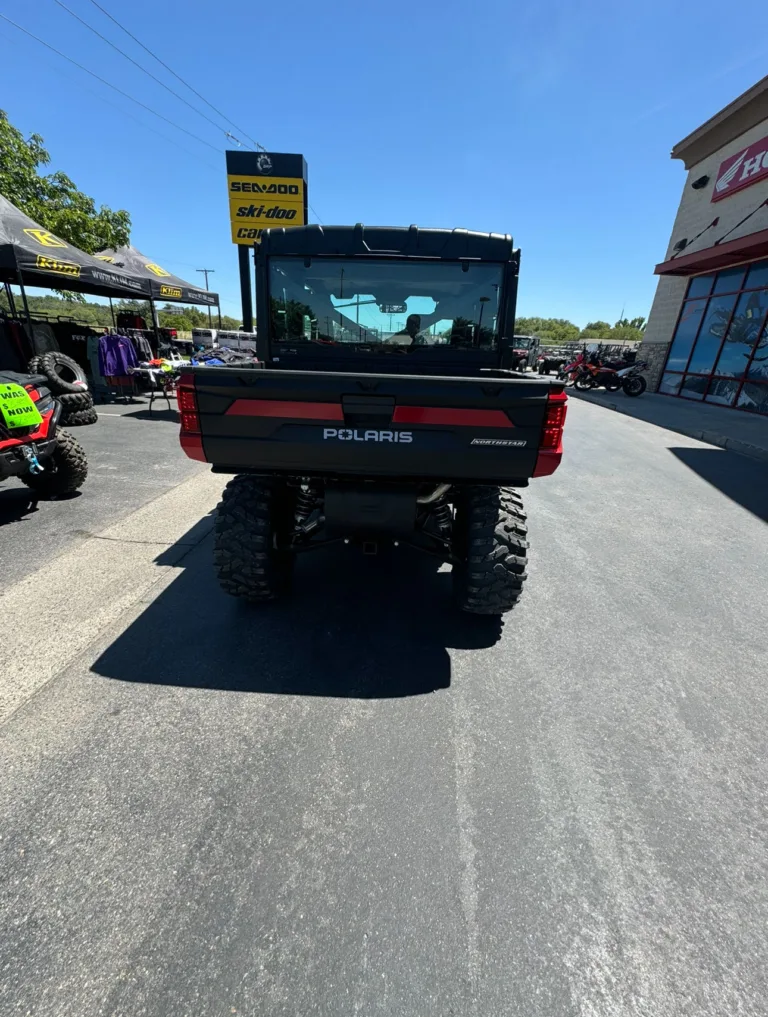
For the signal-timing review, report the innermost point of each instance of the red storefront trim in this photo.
(748, 248)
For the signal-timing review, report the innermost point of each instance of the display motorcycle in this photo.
(632, 381)
(612, 377)
(570, 372)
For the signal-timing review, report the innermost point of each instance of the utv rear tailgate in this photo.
(399, 426)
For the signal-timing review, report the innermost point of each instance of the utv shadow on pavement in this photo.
(354, 627)
(169, 416)
(740, 478)
(17, 505)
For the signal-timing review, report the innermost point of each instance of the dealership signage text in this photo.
(742, 170)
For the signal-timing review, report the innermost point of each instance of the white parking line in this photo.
(78, 594)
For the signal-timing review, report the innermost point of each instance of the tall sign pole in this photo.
(265, 189)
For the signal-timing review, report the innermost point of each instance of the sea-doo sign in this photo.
(270, 187)
(741, 170)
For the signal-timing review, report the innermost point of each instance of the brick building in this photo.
(707, 333)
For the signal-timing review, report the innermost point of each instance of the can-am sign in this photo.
(742, 170)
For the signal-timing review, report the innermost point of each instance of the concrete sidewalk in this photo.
(746, 433)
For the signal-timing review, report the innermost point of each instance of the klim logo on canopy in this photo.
(742, 170)
(45, 238)
(60, 267)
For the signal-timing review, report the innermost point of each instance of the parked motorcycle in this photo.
(593, 374)
(632, 381)
(570, 372)
(612, 376)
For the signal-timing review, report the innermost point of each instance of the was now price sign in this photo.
(17, 408)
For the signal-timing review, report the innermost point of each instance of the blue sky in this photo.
(551, 120)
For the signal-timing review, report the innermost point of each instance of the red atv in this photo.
(32, 447)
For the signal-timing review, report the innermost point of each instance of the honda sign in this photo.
(742, 170)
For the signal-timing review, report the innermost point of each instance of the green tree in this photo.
(53, 200)
(636, 323)
(549, 330)
(596, 330)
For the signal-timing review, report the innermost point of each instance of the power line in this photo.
(146, 127)
(108, 83)
(179, 78)
(256, 144)
(149, 73)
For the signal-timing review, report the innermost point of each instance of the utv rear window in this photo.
(381, 303)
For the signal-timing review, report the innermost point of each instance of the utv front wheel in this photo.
(64, 472)
(490, 538)
(251, 514)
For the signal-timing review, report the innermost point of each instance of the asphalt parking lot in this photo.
(356, 802)
(133, 457)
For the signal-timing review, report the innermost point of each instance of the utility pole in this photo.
(206, 272)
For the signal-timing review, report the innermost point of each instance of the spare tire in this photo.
(71, 402)
(63, 373)
(80, 418)
(34, 365)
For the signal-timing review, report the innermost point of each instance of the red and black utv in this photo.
(32, 447)
(385, 410)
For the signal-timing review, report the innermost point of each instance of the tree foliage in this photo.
(52, 199)
(98, 315)
(549, 330)
(556, 331)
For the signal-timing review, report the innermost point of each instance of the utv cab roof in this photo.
(387, 241)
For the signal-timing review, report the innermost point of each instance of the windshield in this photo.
(385, 303)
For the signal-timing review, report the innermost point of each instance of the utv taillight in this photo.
(187, 400)
(551, 441)
(190, 435)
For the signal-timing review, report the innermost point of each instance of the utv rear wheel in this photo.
(490, 538)
(251, 515)
(64, 472)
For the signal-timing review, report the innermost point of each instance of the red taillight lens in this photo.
(556, 413)
(190, 422)
(551, 441)
(187, 402)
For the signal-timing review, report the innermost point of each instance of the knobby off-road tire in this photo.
(63, 373)
(490, 536)
(80, 418)
(74, 402)
(65, 471)
(251, 513)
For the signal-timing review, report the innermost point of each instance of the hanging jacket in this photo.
(116, 356)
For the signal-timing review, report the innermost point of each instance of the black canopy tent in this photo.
(163, 285)
(32, 256)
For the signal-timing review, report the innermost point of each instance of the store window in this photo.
(719, 352)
